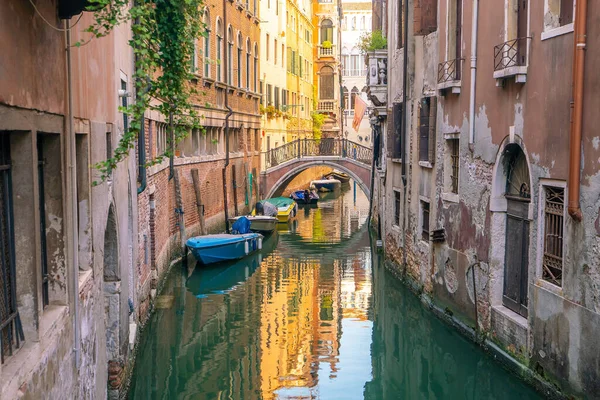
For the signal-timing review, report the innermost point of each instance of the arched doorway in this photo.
(112, 287)
(517, 192)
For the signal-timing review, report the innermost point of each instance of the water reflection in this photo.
(296, 322)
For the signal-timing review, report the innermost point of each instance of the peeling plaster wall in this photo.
(534, 115)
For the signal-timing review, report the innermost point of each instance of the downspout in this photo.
(72, 202)
(142, 157)
(229, 113)
(404, 131)
(474, 29)
(577, 119)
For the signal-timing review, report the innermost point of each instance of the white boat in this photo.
(326, 185)
(260, 223)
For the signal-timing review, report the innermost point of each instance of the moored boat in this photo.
(210, 249)
(340, 176)
(286, 208)
(299, 196)
(326, 185)
(260, 223)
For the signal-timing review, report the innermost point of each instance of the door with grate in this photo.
(516, 257)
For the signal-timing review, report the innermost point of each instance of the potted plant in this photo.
(326, 44)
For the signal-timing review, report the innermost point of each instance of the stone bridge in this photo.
(283, 163)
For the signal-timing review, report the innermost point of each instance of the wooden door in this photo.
(516, 256)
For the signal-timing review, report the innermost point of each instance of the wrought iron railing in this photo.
(449, 71)
(510, 54)
(300, 148)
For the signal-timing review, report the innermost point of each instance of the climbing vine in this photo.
(164, 34)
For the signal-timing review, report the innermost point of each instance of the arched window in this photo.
(255, 66)
(345, 96)
(326, 83)
(248, 56)
(353, 24)
(219, 37)
(207, 44)
(353, 97)
(326, 31)
(229, 75)
(240, 46)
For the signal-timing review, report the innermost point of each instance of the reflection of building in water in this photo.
(356, 287)
(299, 324)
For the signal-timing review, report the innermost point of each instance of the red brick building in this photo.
(226, 75)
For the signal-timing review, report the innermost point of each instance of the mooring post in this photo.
(234, 185)
(199, 204)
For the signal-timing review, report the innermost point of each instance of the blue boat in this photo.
(299, 196)
(210, 249)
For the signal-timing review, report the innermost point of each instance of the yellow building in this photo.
(300, 92)
(327, 49)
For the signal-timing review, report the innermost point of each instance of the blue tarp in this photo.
(242, 225)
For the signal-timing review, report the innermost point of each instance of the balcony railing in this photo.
(510, 54)
(326, 105)
(327, 51)
(449, 71)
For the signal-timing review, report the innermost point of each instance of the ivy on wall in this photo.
(164, 34)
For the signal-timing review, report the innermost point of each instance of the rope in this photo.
(49, 24)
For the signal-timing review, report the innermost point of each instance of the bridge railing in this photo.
(300, 148)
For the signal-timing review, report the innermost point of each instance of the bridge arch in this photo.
(297, 166)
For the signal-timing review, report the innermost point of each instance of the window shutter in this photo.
(432, 129)
(425, 17)
(566, 12)
(397, 122)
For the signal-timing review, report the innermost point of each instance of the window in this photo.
(454, 33)
(276, 97)
(230, 55)
(427, 116)
(207, 45)
(326, 31)
(255, 65)
(300, 65)
(267, 43)
(353, 24)
(161, 137)
(453, 146)
(282, 54)
(10, 337)
(194, 59)
(293, 69)
(554, 209)
(220, 65)
(326, 83)
(396, 208)
(124, 104)
(239, 60)
(353, 97)
(398, 130)
(248, 58)
(275, 51)
(425, 220)
(400, 26)
(269, 95)
(566, 12)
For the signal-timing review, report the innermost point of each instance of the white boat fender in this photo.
(246, 247)
(260, 243)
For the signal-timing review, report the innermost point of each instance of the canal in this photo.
(313, 316)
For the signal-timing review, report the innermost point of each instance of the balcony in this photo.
(449, 75)
(327, 106)
(326, 52)
(510, 59)
(377, 79)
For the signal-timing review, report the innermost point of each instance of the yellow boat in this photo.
(286, 208)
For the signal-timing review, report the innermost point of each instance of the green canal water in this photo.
(313, 316)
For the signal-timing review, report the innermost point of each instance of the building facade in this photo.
(357, 17)
(487, 196)
(68, 263)
(327, 41)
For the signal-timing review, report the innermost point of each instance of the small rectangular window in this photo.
(396, 208)
(268, 46)
(425, 220)
(275, 51)
(453, 145)
(554, 208)
(427, 116)
(398, 130)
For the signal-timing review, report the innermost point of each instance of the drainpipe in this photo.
(72, 199)
(577, 105)
(403, 133)
(142, 157)
(229, 113)
(474, 28)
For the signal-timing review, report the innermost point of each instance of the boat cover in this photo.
(200, 242)
(242, 225)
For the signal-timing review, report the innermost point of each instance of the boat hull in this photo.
(260, 224)
(207, 250)
(326, 185)
(298, 197)
(344, 178)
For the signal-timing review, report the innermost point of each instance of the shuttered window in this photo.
(425, 17)
(427, 114)
(326, 83)
(398, 122)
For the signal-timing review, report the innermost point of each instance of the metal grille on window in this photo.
(425, 223)
(454, 158)
(553, 235)
(397, 208)
(11, 331)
